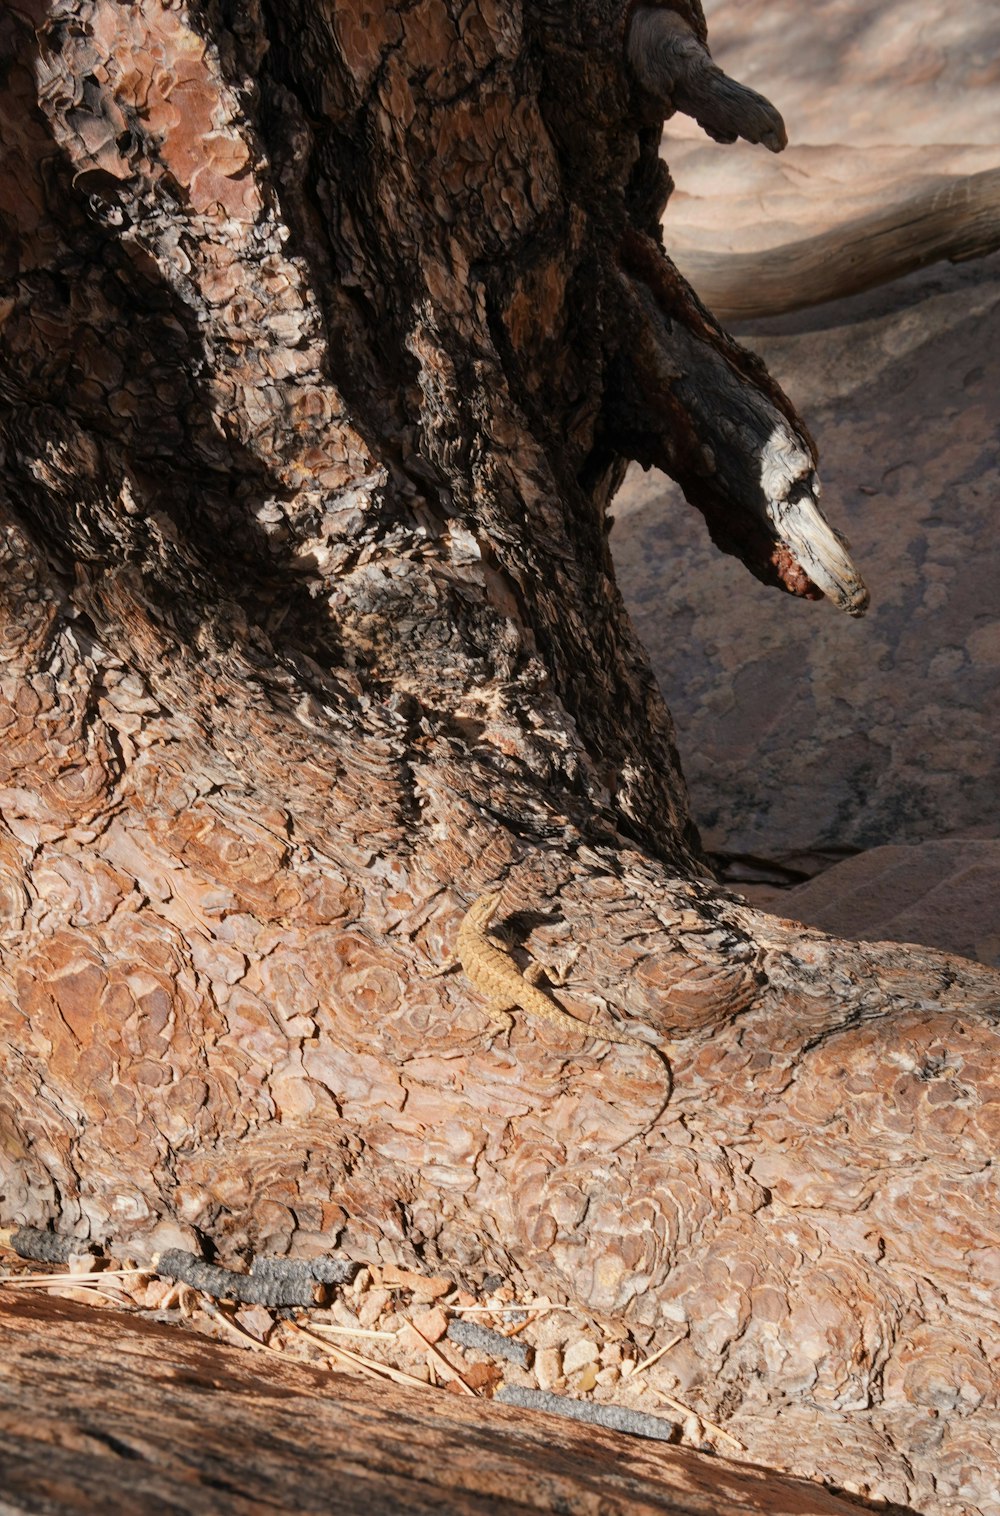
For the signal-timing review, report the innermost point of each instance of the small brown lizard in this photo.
(496, 975)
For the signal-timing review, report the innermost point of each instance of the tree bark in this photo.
(277, 1435)
(326, 335)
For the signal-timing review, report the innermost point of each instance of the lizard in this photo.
(496, 975)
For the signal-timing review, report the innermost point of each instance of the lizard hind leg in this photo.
(502, 1021)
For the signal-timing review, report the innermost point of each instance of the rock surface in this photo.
(873, 98)
(799, 729)
(942, 894)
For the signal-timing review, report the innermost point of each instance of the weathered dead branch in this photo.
(681, 402)
(952, 219)
(674, 66)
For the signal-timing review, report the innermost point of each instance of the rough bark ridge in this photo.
(326, 331)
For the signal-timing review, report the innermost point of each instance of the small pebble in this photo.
(482, 1376)
(425, 1287)
(431, 1324)
(341, 1313)
(371, 1307)
(255, 1320)
(548, 1367)
(692, 1430)
(579, 1354)
(552, 1330)
(361, 1281)
(431, 1290)
(82, 1263)
(156, 1295)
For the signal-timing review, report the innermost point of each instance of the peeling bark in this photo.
(324, 342)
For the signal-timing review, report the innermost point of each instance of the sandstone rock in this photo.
(943, 894)
(798, 728)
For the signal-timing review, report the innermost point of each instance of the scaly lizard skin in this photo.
(501, 981)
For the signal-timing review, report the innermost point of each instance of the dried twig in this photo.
(617, 1418)
(348, 1331)
(437, 1358)
(647, 1363)
(238, 1333)
(469, 1334)
(41, 1281)
(39, 1246)
(367, 1366)
(271, 1281)
(678, 1405)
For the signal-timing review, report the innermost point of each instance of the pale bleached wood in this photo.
(954, 218)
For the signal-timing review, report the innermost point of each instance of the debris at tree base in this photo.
(616, 1418)
(323, 1441)
(271, 1281)
(400, 1326)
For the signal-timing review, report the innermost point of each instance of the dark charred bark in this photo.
(324, 342)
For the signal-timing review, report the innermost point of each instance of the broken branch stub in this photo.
(688, 399)
(676, 69)
(682, 403)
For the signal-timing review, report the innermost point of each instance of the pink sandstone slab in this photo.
(801, 730)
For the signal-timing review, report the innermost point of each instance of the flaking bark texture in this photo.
(326, 332)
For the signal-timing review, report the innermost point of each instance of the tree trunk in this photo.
(326, 334)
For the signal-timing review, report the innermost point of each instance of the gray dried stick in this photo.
(469, 1334)
(617, 1418)
(271, 1281)
(38, 1246)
